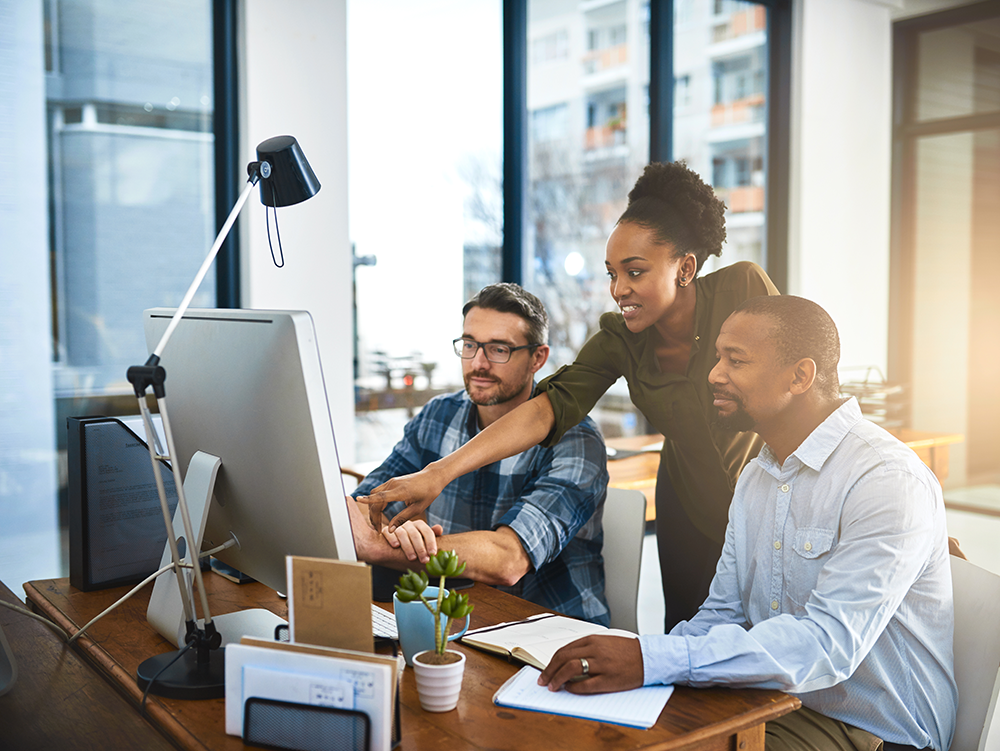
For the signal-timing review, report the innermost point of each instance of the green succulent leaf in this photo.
(456, 605)
(445, 563)
(434, 566)
(411, 585)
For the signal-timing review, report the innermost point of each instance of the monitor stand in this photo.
(166, 612)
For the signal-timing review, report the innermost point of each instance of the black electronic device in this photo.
(116, 529)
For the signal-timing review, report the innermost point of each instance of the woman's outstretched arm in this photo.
(517, 431)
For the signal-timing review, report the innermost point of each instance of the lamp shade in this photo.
(289, 178)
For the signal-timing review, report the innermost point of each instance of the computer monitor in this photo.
(247, 386)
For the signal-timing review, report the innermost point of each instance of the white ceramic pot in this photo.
(439, 686)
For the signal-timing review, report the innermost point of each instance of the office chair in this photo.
(624, 531)
(977, 655)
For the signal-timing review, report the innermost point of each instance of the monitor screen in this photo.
(247, 386)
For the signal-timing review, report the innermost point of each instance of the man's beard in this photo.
(739, 420)
(504, 392)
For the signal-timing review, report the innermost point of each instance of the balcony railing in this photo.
(746, 110)
(603, 136)
(743, 199)
(609, 57)
(739, 24)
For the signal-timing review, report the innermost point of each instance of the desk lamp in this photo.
(197, 671)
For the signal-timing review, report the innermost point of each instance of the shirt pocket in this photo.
(810, 547)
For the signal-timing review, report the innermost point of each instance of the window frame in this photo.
(225, 128)
(907, 130)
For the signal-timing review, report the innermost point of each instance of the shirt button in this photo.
(777, 545)
(808, 546)
(774, 604)
(784, 488)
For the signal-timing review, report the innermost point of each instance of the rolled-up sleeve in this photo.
(563, 498)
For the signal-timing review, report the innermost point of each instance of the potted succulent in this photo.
(438, 671)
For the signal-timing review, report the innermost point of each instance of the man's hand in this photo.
(417, 539)
(371, 543)
(417, 491)
(614, 663)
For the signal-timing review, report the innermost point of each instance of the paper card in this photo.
(395, 664)
(329, 603)
(312, 679)
(298, 688)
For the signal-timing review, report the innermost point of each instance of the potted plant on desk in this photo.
(438, 671)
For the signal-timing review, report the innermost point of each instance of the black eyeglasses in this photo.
(495, 352)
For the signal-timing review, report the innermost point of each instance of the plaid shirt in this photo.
(553, 499)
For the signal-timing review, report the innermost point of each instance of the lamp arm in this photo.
(152, 375)
(182, 507)
(205, 266)
(175, 556)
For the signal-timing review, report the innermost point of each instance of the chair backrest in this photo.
(977, 655)
(624, 530)
(352, 478)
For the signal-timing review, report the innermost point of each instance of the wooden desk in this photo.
(58, 701)
(639, 471)
(693, 719)
(932, 448)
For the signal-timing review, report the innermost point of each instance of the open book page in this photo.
(536, 639)
(639, 708)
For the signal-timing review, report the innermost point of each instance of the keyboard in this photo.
(383, 626)
(383, 623)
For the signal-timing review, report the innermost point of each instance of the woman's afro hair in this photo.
(672, 200)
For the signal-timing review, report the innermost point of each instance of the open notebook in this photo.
(535, 639)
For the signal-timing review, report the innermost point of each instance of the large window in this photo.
(592, 92)
(946, 170)
(426, 211)
(578, 183)
(112, 212)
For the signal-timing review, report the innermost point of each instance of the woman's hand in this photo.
(517, 431)
(417, 491)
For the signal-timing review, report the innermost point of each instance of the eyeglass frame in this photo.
(482, 346)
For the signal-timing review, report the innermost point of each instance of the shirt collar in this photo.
(821, 443)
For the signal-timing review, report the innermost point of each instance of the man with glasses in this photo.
(530, 524)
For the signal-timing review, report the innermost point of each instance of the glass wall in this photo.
(113, 214)
(425, 96)
(589, 139)
(588, 112)
(129, 97)
(425, 119)
(946, 232)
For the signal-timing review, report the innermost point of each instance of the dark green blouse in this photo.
(703, 461)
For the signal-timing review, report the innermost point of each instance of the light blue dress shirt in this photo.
(834, 585)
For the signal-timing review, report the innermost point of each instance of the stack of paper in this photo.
(313, 676)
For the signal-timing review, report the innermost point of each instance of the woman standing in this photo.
(663, 343)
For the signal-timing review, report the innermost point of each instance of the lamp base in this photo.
(186, 678)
